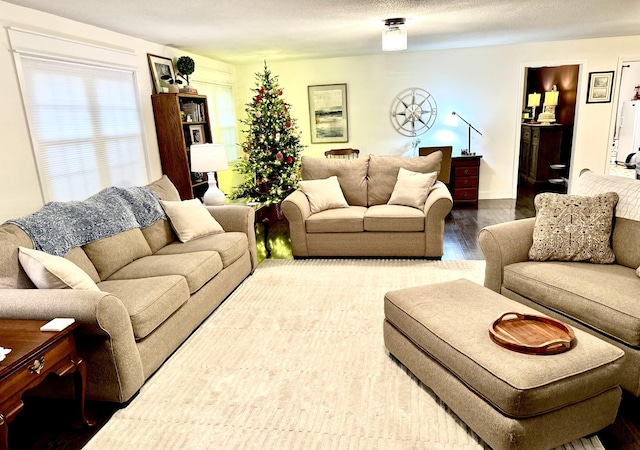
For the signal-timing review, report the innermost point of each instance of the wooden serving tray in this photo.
(529, 333)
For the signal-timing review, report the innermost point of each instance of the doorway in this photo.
(626, 130)
(546, 147)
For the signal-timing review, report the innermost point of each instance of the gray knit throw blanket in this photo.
(60, 226)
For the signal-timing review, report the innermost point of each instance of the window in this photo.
(222, 116)
(84, 117)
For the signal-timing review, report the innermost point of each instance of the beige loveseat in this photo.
(368, 226)
(602, 299)
(153, 292)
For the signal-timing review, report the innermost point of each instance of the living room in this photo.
(483, 84)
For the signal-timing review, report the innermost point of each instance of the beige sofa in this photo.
(601, 299)
(368, 226)
(154, 291)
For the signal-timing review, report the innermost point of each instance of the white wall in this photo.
(484, 85)
(19, 185)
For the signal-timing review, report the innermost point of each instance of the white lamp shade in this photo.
(208, 158)
(534, 99)
(394, 38)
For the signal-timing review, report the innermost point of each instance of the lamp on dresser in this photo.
(533, 101)
(210, 158)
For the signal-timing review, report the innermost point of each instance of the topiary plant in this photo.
(185, 66)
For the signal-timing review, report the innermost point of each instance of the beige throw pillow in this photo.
(190, 219)
(573, 228)
(323, 194)
(412, 188)
(53, 272)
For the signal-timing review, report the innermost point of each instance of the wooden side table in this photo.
(34, 355)
(465, 178)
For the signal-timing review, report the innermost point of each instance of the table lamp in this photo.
(550, 103)
(533, 101)
(453, 120)
(210, 158)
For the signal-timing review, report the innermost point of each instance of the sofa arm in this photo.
(238, 218)
(438, 204)
(504, 244)
(297, 210)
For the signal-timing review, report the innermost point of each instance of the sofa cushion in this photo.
(394, 218)
(383, 173)
(165, 189)
(112, 253)
(351, 173)
(190, 219)
(573, 228)
(159, 234)
(323, 194)
(79, 257)
(343, 220)
(627, 212)
(196, 267)
(149, 301)
(230, 246)
(583, 291)
(412, 188)
(53, 272)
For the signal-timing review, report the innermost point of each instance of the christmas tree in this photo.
(272, 145)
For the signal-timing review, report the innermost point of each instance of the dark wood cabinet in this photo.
(540, 147)
(181, 119)
(465, 179)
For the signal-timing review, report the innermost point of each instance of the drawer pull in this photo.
(466, 182)
(37, 366)
(466, 171)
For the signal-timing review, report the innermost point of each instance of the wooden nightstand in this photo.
(34, 355)
(465, 178)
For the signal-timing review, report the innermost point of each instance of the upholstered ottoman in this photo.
(440, 332)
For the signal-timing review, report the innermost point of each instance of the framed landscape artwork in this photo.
(160, 66)
(600, 87)
(328, 113)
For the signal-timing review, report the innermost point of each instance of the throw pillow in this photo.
(412, 188)
(190, 219)
(323, 194)
(53, 272)
(573, 228)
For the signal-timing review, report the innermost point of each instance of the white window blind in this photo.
(85, 124)
(222, 116)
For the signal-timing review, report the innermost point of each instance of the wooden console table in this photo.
(465, 178)
(34, 355)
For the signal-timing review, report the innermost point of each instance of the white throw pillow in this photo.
(190, 219)
(53, 272)
(638, 271)
(412, 188)
(323, 194)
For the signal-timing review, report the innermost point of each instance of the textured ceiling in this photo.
(246, 31)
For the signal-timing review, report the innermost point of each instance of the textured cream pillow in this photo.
(412, 188)
(323, 194)
(190, 219)
(53, 272)
(573, 228)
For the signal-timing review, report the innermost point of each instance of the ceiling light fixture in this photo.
(394, 35)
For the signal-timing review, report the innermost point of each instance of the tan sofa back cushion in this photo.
(160, 233)
(351, 173)
(111, 254)
(626, 226)
(383, 173)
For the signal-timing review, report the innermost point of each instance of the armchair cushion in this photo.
(573, 228)
(323, 194)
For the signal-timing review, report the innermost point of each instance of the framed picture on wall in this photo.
(160, 66)
(600, 87)
(197, 134)
(328, 113)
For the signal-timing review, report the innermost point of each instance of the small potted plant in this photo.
(186, 67)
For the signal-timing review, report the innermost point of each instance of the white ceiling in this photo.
(246, 31)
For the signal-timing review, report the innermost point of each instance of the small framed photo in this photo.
(328, 113)
(160, 66)
(196, 132)
(600, 87)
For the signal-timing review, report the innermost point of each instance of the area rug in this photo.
(295, 359)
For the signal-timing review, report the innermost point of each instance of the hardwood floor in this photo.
(53, 424)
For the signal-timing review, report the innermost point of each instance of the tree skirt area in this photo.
(295, 359)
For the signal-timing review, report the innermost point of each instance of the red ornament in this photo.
(287, 124)
(258, 99)
(279, 156)
(289, 160)
(261, 90)
(280, 92)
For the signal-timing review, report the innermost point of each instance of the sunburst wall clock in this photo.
(413, 112)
